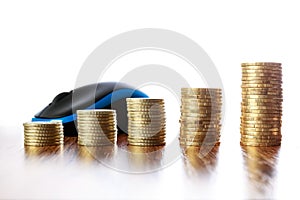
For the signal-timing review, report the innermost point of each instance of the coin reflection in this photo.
(261, 164)
(89, 154)
(45, 151)
(142, 159)
(199, 160)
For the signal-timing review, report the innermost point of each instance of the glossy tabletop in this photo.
(126, 172)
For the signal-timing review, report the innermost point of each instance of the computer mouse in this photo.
(105, 95)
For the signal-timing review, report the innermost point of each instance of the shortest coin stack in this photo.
(200, 116)
(43, 133)
(96, 127)
(146, 122)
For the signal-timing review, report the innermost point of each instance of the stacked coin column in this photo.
(43, 133)
(146, 122)
(96, 127)
(261, 107)
(200, 121)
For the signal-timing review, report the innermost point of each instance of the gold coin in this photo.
(263, 91)
(252, 77)
(146, 133)
(42, 144)
(95, 144)
(260, 122)
(42, 128)
(201, 89)
(266, 137)
(248, 132)
(207, 95)
(264, 100)
(261, 129)
(271, 64)
(45, 125)
(261, 86)
(260, 118)
(262, 125)
(260, 140)
(251, 70)
(97, 117)
(200, 138)
(261, 72)
(265, 107)
(31, 135)
(200, 125)
(260, 144)
(268, 115)
(143, 100)
(261, 82)
(207, 133)
(184, 143)
(261, 133)
(260, 103)
(97, 111)
(202, 112)
(257, 111)
(97, 136)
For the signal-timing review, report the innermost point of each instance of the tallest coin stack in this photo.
(261, 107)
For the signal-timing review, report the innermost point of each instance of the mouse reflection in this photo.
(200, 160)
(260, 163)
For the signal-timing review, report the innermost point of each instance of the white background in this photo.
(43, 45)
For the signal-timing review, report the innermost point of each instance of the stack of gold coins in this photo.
(43, 133)
(200, 121)
(96, 127)
(146, 122)
(261, 107)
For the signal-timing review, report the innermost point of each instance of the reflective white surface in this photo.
(227, 171)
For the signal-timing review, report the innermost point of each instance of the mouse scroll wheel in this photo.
(60, 96)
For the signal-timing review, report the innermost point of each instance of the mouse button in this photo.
(60, 96)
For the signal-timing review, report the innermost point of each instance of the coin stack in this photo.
(261, 108)
(146, 122)
(43, 133)
(96, 127)
(200, 121)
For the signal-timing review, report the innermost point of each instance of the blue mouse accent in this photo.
(102, 103)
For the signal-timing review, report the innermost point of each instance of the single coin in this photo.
(264, 115)
(262, 137)
(95, 144)
(260, 144)
(146, 144)
(261, 129)
(257, 111)
(258, 78)
(265, 107)
(262, 89)
(253, 70)
(261, 125)
(247, 132)
(271, 64)
(261, 133)
(42, 145)
(96, 111)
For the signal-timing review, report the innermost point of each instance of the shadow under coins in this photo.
(199, 161)
(260, 163)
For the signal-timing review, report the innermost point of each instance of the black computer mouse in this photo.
(105, 95)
